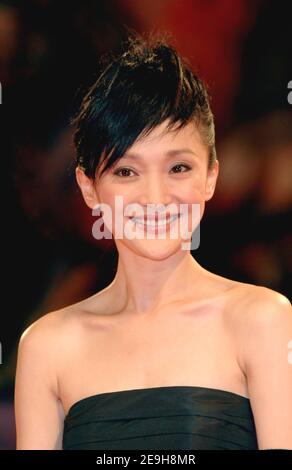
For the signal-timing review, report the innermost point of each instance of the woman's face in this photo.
(167, 171)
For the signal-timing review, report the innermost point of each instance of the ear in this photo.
(87, 188)
(211, 180)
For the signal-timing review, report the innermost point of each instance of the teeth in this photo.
(153, 223)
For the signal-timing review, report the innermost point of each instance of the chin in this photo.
(157, 250)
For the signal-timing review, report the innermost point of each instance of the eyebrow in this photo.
(168, 154)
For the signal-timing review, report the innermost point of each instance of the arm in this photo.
(265, 332)
(38, 412)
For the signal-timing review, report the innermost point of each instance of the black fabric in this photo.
(160, 418)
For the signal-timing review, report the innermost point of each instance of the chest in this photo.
(177, 348)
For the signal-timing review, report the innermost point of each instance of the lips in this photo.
(155, 218)
(154, 221)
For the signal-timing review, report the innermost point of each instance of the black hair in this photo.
(136, 90)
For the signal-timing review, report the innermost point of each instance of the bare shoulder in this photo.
(52, 330)
(43, 327)
(53, 333)
(257, 312)
(264, 333)
(244, 300)
(256, 304)
(264, 309)
(44, 331)
(38, 349)
(42, 347)
(248, 306)
(36, 396)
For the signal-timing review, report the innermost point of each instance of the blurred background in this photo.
(48, 54)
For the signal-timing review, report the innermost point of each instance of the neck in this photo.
(143, 285)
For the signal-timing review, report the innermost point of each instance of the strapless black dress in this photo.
(161, 418)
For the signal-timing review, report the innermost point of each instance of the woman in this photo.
(169, 355)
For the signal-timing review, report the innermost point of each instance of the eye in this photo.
(123, 169)
(180, 165)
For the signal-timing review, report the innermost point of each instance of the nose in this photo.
(156, 191)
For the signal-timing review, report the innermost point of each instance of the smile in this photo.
(154, 223)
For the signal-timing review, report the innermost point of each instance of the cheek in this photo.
(192, 191)
(110, 195)
(116, 201)
(192, 194)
